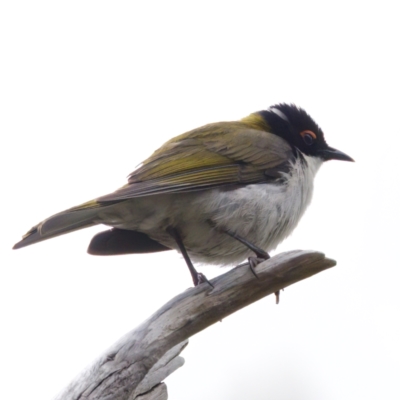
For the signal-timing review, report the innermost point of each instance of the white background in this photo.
(91, 88)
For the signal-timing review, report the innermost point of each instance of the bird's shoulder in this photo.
(214, 155)
(223, 143)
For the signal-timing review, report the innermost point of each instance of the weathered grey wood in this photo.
(160, 370)
(159, 392)
(141, 359)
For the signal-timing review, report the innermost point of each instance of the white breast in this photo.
(264, 214)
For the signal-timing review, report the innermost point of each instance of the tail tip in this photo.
(20, 244)
(16, 246)
(32, 236)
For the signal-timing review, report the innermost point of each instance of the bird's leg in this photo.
(197, 277)
(261, 256)
(260, 253)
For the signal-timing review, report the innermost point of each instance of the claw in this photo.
(201, 278)
(253, 262)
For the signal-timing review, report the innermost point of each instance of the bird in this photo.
(217, 194)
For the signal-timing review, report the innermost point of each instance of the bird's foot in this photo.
(200, 278)
(253, 262)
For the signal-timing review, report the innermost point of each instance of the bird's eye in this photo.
(308, 137)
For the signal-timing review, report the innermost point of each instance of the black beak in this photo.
(332, 154)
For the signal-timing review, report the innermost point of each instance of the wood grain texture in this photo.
(140, 360)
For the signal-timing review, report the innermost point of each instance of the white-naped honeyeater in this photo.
(218, 194)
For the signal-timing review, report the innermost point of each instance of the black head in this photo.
(300, 130)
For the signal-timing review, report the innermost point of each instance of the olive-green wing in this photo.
(227, 153)
(220, 154)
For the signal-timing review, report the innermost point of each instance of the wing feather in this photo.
(220, 154)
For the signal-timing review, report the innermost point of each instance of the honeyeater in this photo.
(219, 194)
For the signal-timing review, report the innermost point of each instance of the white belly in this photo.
(264, 214)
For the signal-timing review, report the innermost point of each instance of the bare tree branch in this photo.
(140, 360)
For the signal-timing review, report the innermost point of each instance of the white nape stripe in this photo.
(280, 114)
